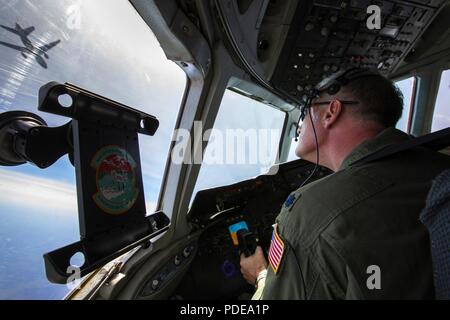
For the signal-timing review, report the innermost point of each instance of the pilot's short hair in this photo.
(380, 99)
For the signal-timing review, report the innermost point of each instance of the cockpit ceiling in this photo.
(328, 35)
(324, 36)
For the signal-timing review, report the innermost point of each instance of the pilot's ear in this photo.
(332, 113)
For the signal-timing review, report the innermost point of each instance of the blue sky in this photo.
(121, 61)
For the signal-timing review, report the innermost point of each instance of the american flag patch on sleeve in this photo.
(276, 250)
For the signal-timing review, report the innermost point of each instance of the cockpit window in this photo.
(243, 143)
(441, 118)
(406, 86)
(105, 47)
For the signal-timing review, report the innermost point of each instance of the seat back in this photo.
(436, 214)
(437, 141)
(436, 217)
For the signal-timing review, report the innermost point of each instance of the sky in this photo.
(105, 48)
(406, 87)
(231, 117)
(441, 118)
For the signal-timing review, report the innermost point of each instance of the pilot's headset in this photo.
(331, 85)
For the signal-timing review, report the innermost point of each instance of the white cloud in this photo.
(39, 194)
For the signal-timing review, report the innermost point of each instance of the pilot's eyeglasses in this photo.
(304, 110)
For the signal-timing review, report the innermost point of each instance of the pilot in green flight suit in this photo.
(355, 234)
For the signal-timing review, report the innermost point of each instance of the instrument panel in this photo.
(326, 36)
(215, 271)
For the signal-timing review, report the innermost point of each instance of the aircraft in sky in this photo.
(29, 48)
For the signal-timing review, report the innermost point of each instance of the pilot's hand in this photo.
(253, 265)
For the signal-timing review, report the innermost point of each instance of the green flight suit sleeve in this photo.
(311, 266)
(315, 262)
(300, 277)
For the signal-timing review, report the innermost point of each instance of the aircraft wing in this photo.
(49, 46)
(41, 62)
(9, 29)
(12, 46)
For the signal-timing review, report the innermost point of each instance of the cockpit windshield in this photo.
(105, 47)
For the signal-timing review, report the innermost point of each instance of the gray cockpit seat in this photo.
(436, 217)
(436, 214)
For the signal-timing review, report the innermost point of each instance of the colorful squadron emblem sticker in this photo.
(116, 180)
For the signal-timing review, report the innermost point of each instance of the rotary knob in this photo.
(187, 252)
(309, 26)
(155, 284)
(333, 19)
